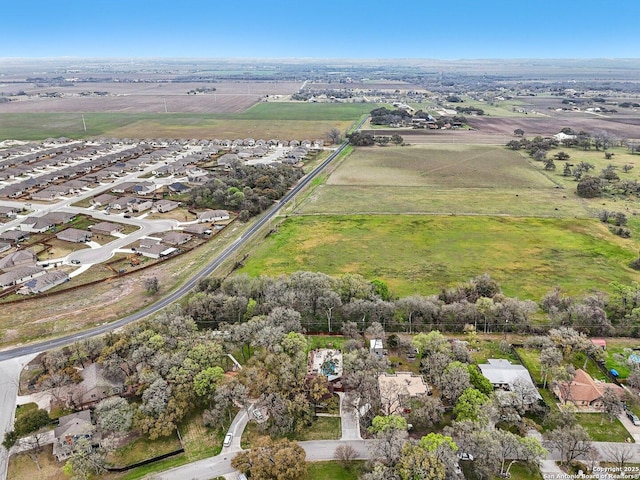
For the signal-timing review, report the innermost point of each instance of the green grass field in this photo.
(422, 254)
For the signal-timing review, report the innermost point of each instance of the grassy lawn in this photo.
(527, 256)
(522, 472)
(326, 341)
(200, 441)
(578, 361)
(21, 467)
(607, 432)
(531, 359)
(333, 471)
(490, 348)
(323, 428)
(616, 349)
(142, 448)
(403, 364)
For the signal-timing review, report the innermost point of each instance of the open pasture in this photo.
(438, 166)
(441, 179)
(419, 254)
(351, 199)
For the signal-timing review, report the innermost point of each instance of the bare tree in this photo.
(345, 454)
(32, 445)
(334, 135)
(619, 453)
(611, 405)
(571, 442)
(634, 378)
(388, 447)
(549, 358)
(151, 285)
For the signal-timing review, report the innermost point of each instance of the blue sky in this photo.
(450, 30)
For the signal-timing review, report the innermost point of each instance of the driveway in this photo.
(349, 419)
(634, 431)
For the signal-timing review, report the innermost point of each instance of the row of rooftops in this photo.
(81, 166)
(78, 171)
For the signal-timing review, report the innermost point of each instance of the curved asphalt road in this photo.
(184, 289)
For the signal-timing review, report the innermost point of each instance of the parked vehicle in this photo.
(634, 418)
(227, 439)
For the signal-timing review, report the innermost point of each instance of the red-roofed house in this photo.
(584, 391)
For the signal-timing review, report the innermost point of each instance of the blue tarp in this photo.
(614, 372)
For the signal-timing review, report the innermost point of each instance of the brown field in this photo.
(624, 126)
(229, 97)
(231, 129)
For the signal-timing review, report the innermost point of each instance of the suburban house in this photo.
(49, 193)
(178, 187)
(18, 259)
(14, 236)
(599, 342)
(35, 224)
(71, 429)
(122, 203)
(198, 229)
(47, 221)
(176, 238)
(394, 388)
(44, 282)
(4, 246)
(8, 211)
(20, 275)
(213, 216)
(162, 206)
(154, 249)
(104, 199)
(584, 391)
(503, 375)
(74, 235)
(140, 205)
(105, 228)
(59, 218)
(94, 386)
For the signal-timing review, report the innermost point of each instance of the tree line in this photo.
(324, 303)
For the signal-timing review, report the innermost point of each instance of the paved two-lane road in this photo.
(221, 464)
